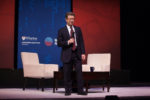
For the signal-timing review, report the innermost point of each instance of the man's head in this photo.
(70, 16)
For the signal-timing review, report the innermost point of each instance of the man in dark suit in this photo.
(73, 52)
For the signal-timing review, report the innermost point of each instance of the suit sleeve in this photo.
(60, 41)
(82, 42)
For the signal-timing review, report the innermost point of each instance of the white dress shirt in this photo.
(69, 30)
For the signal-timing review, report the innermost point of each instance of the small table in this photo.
(87, 76)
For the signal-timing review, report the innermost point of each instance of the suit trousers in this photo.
(68, 68)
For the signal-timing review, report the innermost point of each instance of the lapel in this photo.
(67, 32)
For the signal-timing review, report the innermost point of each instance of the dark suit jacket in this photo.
(62, 41)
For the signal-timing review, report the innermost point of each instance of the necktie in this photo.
(72, 35)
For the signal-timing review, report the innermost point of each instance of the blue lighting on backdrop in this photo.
(39, 21)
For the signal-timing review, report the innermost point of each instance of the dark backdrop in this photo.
(135, 20)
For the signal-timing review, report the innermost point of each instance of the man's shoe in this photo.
(67, 93)
(82, 93)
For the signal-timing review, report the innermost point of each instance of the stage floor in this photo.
(33, 93)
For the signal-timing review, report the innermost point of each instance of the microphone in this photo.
(72, 35)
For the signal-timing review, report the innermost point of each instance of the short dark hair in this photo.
(69, 13)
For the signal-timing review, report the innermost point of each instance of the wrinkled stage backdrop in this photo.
(38, 23)
(100, 23)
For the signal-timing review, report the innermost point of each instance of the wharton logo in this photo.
(29, 38)
(23, 37)
(48, 41)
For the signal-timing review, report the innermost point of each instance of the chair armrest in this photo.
(102, 68)
(85, 68)
(49, 70)
(33, 70)
(52, 67)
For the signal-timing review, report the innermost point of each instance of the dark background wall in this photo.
(135, 20)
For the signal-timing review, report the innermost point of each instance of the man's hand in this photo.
(83, 57)
(71, 41)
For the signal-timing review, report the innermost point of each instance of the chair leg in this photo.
(54, 85)
(103, 85)
(38, 84)
(86, 86)
(42, 84)
(108, 85)
(24, 83)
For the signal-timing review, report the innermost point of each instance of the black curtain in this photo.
(135, 30)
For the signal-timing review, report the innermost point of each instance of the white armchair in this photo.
(101, 62)
(33, 69)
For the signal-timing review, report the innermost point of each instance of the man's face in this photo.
(70, 20)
